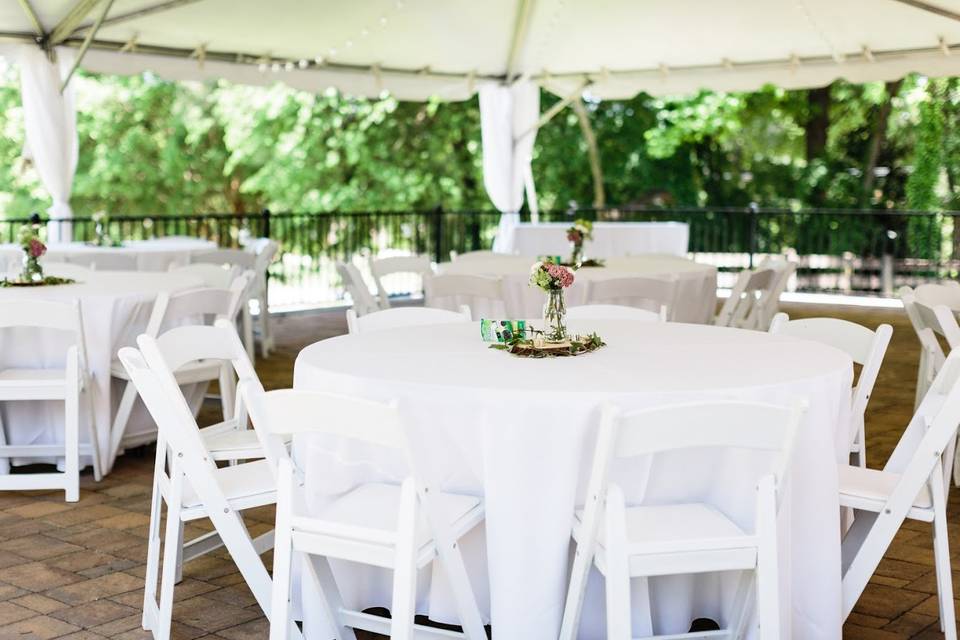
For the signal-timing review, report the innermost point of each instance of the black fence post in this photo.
(752, 212)
(265, 217)
(438, 234)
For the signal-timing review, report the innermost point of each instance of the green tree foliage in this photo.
(152, 146)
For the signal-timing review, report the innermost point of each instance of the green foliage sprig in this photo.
(526, 347)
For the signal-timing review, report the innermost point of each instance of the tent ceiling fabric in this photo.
(421, 48)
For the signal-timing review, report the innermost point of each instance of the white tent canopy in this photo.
(418, 49)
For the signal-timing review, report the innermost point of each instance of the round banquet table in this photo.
(696, 298)
(114, 308)
(519, 432)
(157, 254)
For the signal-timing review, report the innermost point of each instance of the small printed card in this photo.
(501, 330)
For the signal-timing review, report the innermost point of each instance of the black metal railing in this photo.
(868, 252)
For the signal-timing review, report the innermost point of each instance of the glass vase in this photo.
(576, 253)
(555, 317)
(32, 271)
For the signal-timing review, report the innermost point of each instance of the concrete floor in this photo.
(76, 570)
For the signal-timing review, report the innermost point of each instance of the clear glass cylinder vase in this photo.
(32, 271)
(555, 316)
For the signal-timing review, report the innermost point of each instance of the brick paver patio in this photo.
(76, 570)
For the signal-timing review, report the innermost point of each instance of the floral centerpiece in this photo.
(580, 232)
(33, 249)
(553, 279)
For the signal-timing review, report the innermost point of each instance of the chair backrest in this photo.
(47, 315)
(226, 257)
(383, 267)
(290, 412)
(941, 320)
(653, 294)
(403, 317)
(178, 347)
(474, 255)
(865, 347)
(105, 260)
(747, 306)
(207, 304)
(67, 270)
(613, 312)
(353, 282)
(212, 275)
(483, 295)
(868, 539)
(931, 353)
(945, 293)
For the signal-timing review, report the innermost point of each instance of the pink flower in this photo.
(574, 236)
(36, 248)
(562, 275)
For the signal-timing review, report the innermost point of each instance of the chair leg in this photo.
(153, 538)
(576, 590)
(120, 423)
(247, 321)
(619, 623)
(94, 443)
(282, 558)
(941, 549)
(72, 441)
(402, 609)
(169, 565)
(768, 577)
(228, 391)
(331, 600)
(4, 462)
(179, 578)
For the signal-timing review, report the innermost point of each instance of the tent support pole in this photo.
(80, 10)
(28, 9)
(86, 43)
(553, 111)
(139, 13)
(520, 29)
(593, 152)
(926, 6)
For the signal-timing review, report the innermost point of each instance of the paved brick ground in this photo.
(76, 570)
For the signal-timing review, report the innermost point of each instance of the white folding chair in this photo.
(482, 295)
(613, 312)
(196, 348)
(626, 542)
(785, 269)
(653, 294)
(189, 484)
(243, 261)
(864, 346)
(928, 324)
(418, 266)
(104, 260)
(66, 384)
(402, 527)
(403, 317)
(913, 487)
(363, 301)
(66, 270)
(212, 275)
(196, 306)
(748, 304)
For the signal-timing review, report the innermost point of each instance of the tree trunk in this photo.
(593, 152)
(878, 136)
(818, 121)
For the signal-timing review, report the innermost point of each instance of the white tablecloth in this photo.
(696, 283)
(519, 432)
(115, 307)
(152, 255)
(610, 239)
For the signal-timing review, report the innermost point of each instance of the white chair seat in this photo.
(376, 506)
(199, 371)
(693, 528)
(244, 486)
(870, 489)
(226, 444)
(33, 377)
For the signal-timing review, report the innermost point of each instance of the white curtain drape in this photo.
(506, 114)
(50, 123)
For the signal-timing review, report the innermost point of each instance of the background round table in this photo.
(696, 299)
(114, 308)
(520, 432)
(152, 255)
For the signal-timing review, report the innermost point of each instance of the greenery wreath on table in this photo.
(536, 347)
(46, 280)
